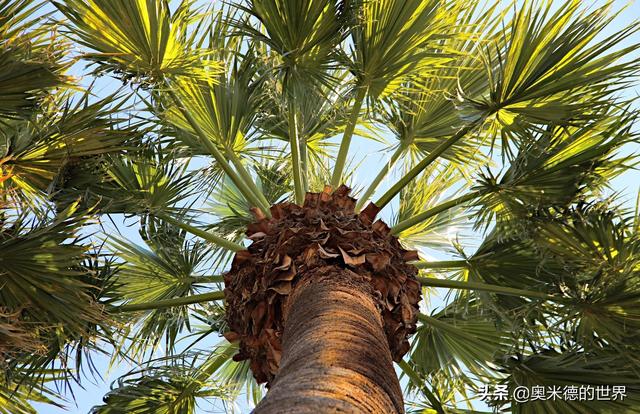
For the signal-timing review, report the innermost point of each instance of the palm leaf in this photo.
(38, 156)
(166, 268)
(42, 268)
(303, 36)
(459, 343)
(174, 388)
(17, 395)
(550, 368)
(420, 195)
(145, 181)
(598, 252)
(55, 288)
(32, 58)
(558, 167)
(394, 39)
(423, 110)
(237, 375)
(548, 69)
(225, 110)
(144, 40)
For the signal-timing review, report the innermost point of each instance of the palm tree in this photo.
(226, 142)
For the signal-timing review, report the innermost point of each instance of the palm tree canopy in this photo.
(501, 129)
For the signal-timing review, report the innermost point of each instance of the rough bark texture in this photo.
(321, 302)
(335, 353)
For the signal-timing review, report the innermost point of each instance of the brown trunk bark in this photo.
(335, 354)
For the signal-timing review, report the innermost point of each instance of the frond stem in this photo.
(208, 236)
(169, 303)
(383, 173)
(419, 218)
(244, 187)
(304, 160)
(338, 169)
(264, 203)
(443, 264)
(295, 152)
(484, 287)
(419, 383)
(413, 173)
(207, 279)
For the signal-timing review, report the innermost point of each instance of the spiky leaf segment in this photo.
(324, 231)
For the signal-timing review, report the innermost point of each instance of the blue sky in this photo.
(92, 393)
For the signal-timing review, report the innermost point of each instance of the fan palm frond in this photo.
(572, 369)
(31, 58)
(168, 267)
(146, 41)
(56, 287)
(599, 254)
(226, 111)
(144, 182)
(301, 37)
(459, 343)
(396, 39)
(174, 388)
(557, 167)
(39, 156)
(548, 69)
(17, 395)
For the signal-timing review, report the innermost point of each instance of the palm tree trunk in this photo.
(335, 355)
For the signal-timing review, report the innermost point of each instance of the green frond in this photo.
(232, 211)
(549, 68)
(598, 251)
(557, 167)
(143, 40)
(439, 397)
(273, 180)
(17, 16)
(322, 173)
(22, 84)
(460, 343)
(17, 395)
(550, 368)
(321, 113)
(43, 272)
(423, 111)
(514, 263)
(196, 109)
(584, 256)
(301, 37)
(56, 287)
(225, 109)
(167, 268)
(238, 375)
(421, 115)
(176, 388)
(31, 58)
(144, 181)
(40, 155)
(394, 39)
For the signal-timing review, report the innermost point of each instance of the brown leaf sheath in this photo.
(360, 272)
